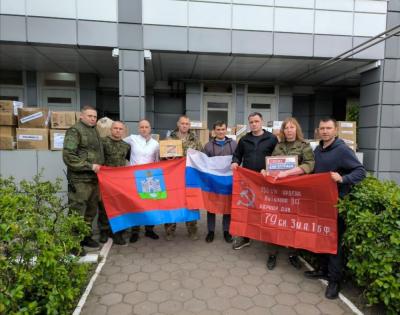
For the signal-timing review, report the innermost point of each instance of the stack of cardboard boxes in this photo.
(201, 131)
(60, 122)
(8, 122)
(32, 131)
(33, 127)
(347, 131)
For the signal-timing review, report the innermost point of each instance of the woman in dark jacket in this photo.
(292, 143)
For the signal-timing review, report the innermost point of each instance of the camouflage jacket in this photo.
(303, 151)
(191, 141)
(82, 149)
(116, 152)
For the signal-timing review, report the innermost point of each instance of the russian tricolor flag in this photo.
(208, 182)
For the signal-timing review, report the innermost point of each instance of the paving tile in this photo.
(286, 299)
(170, 307)
(187, 278)
(241, 302)
(182, 294)
(111, 299)
(330, 307)
(117, 278)
(148, 286)
(103, 288)
(120, 309)
(135, 297)
(218, 303)
(145, 308)
(264, 300)
(226, 291)
(282, 310)
(303, 308)
(125, 287)
(159, 296)
(194, 305)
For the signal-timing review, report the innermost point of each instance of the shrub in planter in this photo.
(372, 240)
(38, 275)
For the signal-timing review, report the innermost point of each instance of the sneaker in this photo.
(193, 236)
(332, 291)
(151, 234)
(227, 237)
(118, 239)
(134, 238)
(89, 242)
(170, 236)
(271, 262)
(210, 237)
(294, 261)
(316, 274)
(103, 236)
(241, 242)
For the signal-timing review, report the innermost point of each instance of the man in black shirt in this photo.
(250, 153)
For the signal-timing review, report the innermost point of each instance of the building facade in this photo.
(210, 59)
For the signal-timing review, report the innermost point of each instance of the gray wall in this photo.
(30, 163)
(303, 107)
(87, 89)
(285, 105)
(379, 125)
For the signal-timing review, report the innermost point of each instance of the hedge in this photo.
(372, 240)
(38, 274)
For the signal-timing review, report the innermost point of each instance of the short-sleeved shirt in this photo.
(143, 150)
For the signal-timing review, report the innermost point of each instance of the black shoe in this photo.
(271, 262)
(294, 261)
(89, 242)
(103, 236)
(210, 237)
(118, 239)
(134, 238)
(316, 274)
(332, 291)
(152, 235)
(228, 238)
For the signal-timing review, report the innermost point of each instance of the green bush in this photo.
(372, 240)
(38, 275)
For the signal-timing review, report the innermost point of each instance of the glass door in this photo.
(217, 107)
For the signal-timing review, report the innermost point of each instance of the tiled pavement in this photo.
(194, 277)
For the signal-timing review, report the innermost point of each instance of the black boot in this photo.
(332, 291)
(103, 236)
(89, 242)
(294, 261)
(151, 234)
(134, 238)
(316, 274)
(271, 262)
(118, 239)
(210, 237)
(227, 237)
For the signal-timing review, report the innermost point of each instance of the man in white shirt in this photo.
(144, 149)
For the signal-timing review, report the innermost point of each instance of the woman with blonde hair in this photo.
(291, 143)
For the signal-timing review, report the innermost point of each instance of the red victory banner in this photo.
(298, 211)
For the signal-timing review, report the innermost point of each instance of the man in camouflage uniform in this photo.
(116, 153)
(189, 140)
(83, 156)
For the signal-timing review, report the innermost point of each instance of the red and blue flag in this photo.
(148, 194)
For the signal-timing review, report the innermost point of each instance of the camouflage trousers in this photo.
(102, 219)
(83, 197)
(191, 226)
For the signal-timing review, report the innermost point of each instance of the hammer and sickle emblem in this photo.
(247, 196)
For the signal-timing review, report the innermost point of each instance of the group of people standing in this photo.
(85, 152)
